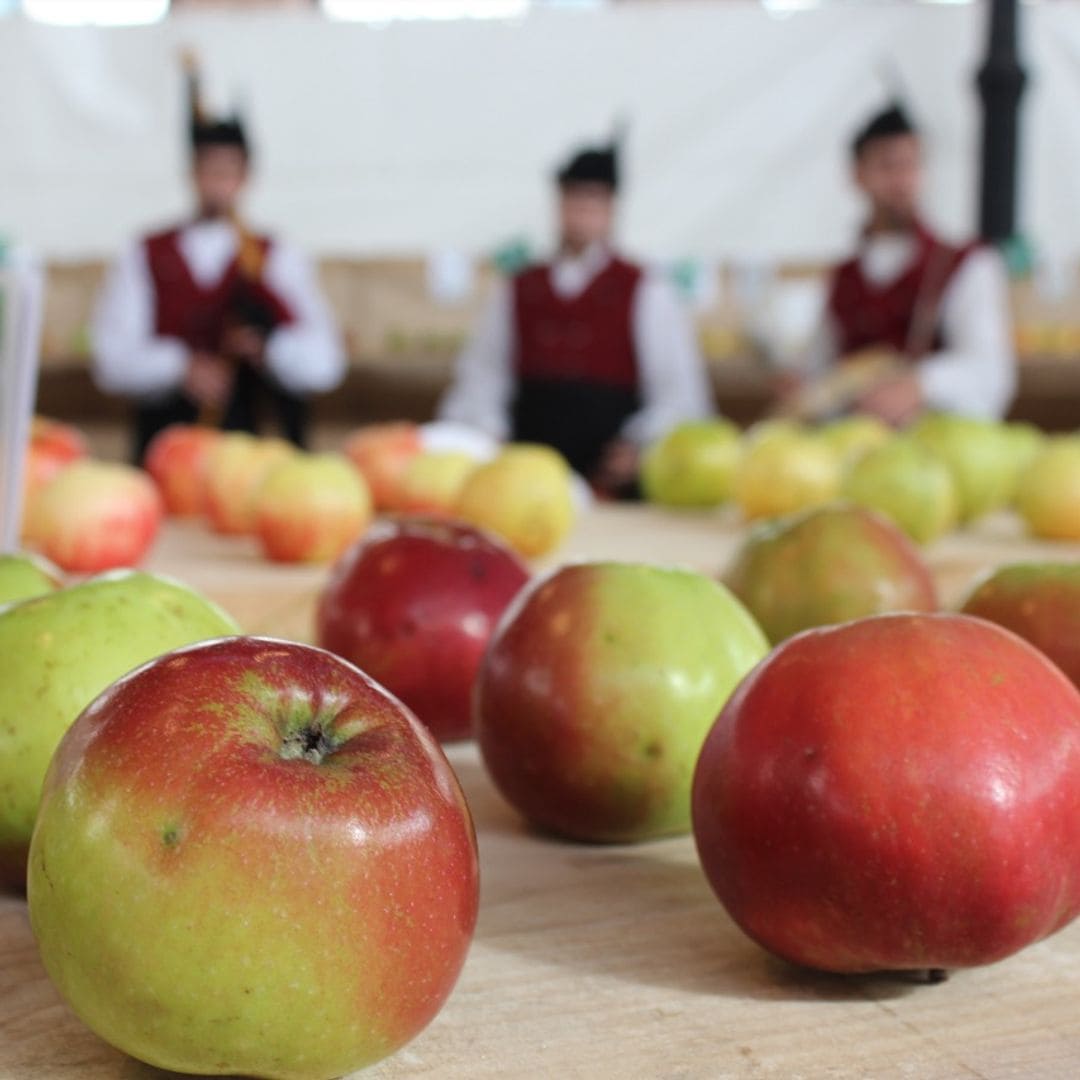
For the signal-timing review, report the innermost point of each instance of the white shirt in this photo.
(305, 356)
(673, 382)
(975, 373)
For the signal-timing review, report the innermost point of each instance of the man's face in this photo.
(889, 174)
(219, 174)
(586, 213)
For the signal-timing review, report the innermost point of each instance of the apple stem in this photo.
(932, 976)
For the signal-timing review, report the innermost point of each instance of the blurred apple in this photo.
(310, 508)
(980, 456)
(23, 576)
(382, 452)
(828, 565)
(909, 484)
(95, 515)
(432, 481)
(52, 446)
(1039, 601)
(852, 436)
(775, 429)
(785, 473)
(236, 467)
(414, 605)
(57, 652)
(1048, 497)
(177, 460)
(1026, 442)
(693, 465)
(525, 496)
(250, 859)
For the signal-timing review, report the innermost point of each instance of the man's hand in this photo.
(897, 399)
(209, 380)
(244, 343)
(618, 467)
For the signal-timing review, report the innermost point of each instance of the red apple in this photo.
(95, 515)
(235, 470)
(382, 453)
(1040, 601)
(414, 605)
(900, 792)
(310, 508)
(251, 859)
(176, 459)
(827, 566)
(52, 446)
(598, 689)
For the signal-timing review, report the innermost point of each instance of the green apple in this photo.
(907, 482)
(853, 436)
(25, 576)
(57, 653)
(597, 690)
(693, 465)
(980, 455)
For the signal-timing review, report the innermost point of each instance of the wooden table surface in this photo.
(616, 961)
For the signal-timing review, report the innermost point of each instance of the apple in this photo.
(598, 689)
(95, 515)
(525, 495)
(693, 465)
(828, 565)
(382, 453)
(909, 484)
(235, 470)
(1040, 602)
(414, 605)
(57, 652)
(1048, 496)
(784, 473)
(852, 436)
(1026, 442)
(774, 429)
(310, 508)
(24, 576)
(979, 454)
(898, 793)
(176, 459)
(432, 481)
(52, 446)
(251, 859)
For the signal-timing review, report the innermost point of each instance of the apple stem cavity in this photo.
(309, 743)
(932, 976)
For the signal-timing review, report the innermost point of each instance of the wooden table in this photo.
(616, 961)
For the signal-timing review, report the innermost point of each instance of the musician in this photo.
(590, 353)
(208, 321)
(938, 311)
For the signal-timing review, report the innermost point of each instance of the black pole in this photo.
(1001, 85)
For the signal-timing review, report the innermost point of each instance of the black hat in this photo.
(206, 130)
(592, 165)
(885, 125)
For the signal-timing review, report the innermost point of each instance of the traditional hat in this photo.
(886, 124)
(595, 164)
(206, 129)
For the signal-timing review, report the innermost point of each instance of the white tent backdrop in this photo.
(414, 137)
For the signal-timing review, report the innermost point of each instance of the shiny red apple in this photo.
(176, 459)
(414, 604)
(250, 859)
(900, 792)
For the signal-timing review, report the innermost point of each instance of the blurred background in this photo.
(408, 146)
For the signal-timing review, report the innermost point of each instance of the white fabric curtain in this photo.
(417, 137)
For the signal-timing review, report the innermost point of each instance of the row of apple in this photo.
(897, 791)
(88, 516)
(939, 474)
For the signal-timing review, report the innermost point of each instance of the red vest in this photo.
(588, 337)
(196, 315)
(904, 314)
